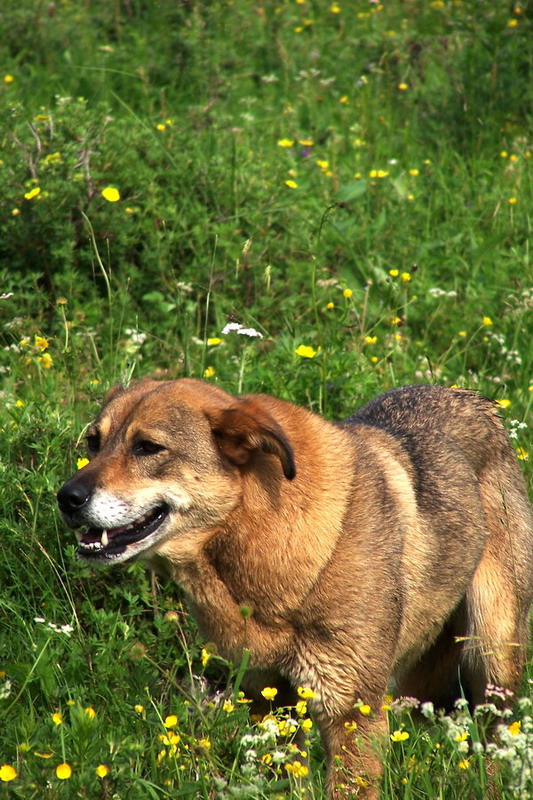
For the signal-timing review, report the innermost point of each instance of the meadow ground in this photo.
(352, 181)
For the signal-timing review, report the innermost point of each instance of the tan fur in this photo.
(395, 546)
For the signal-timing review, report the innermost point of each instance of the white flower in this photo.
(231, 326)
(250, 332)
(236, 326)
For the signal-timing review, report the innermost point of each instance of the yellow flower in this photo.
(269, 692)
(365, 709)
(161, 127)
(486, 321)
(305, 351)
(347, 293)
(394, 272)
(402, 87)
(204, 743)
(82, 462)
(513, 157)
(360, 781)
(306, 142)
(285, 142)
(170, 739)
(7, 772)
(32, 193)
(306, 725)
(170, 721)
(205, 656)
(213, 341)
(320, 162)
(8, 78)
(513, 200)
(370, 339)
(503, 403)
(71, 702)
(101, 770)
(305, 692)
(414, 172)
(297, 769)
(57, 718)
(405, 277)
(349, 727)
(138, 709)
(209, 372)
(512, 23)
(301, 708)
(514, 728)
(504, 154)
(111, 194)
(286, 727)
(41, 343)
(267, 758)
(522, 454)
(399, 736)
(63, 771)
(464, 764)
(461, 736)
(15, 212)
(228, 706)
(395, 320)
(46, 361)
(462, 333)
(330, 305)
(291, 184)
(344, 99)
(90, 712)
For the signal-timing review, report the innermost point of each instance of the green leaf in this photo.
(351, 191)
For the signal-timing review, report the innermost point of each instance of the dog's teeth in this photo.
(104, 539)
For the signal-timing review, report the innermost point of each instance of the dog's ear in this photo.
(246, 427)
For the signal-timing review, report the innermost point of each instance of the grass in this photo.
(354, 180)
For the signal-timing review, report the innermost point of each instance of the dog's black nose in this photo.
(73, 495)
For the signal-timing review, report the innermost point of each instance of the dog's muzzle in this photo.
(98, 542)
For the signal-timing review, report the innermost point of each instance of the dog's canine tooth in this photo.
(104, 539)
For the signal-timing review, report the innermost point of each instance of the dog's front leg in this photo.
(231, 625)
(354, 752)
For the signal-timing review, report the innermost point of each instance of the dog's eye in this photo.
(146, 448)
(93, 442)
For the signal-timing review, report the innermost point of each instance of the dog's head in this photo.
(167, 458)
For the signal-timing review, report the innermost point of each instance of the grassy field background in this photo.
(352, 181)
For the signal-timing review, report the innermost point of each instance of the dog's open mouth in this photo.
(96, 542)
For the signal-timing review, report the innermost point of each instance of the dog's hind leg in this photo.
(499, 597)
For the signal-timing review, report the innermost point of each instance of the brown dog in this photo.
(394, 546)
